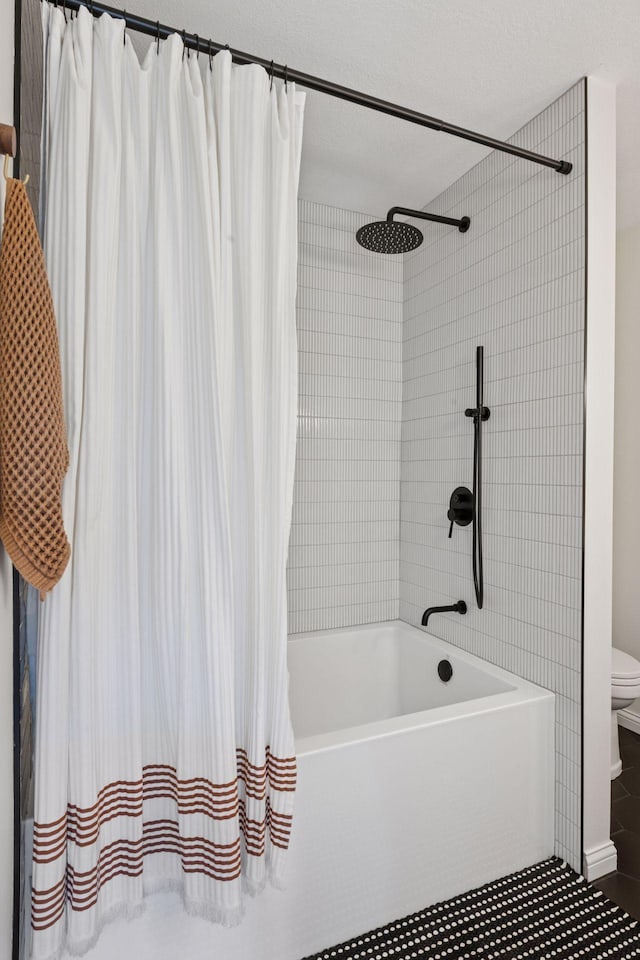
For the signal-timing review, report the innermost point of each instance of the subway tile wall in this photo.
(514, 283)
(344, 543)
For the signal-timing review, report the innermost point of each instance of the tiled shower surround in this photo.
(373, 329)
(514, 283)
(344, 545)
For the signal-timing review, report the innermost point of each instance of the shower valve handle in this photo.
(460, 508)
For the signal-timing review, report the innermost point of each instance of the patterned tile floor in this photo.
(546, 911)
(623, 887)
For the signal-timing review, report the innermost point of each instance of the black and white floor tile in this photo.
(546, 912)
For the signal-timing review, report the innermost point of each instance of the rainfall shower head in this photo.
(389, 236)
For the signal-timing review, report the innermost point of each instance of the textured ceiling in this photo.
(488, 66)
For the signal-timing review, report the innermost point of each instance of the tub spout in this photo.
(459, 607)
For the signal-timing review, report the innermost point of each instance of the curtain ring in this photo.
(64, 10)
(157, 37)
(184, 43)
(210, 57)
(285, 76)
(271, 76)
(124, 32)
(197, 46)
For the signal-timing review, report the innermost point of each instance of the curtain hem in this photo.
(225, 916)
(119, 911)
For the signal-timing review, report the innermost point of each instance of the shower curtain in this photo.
(165, 755)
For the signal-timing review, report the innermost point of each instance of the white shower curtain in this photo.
(165, 755)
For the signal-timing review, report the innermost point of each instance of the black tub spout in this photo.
(459, 607)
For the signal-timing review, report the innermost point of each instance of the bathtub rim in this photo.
(521, 691)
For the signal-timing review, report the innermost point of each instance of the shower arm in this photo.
(462, 225)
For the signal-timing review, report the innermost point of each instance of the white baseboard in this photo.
(630, 719)
(599, 861)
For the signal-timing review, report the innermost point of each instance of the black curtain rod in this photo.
(283, 72)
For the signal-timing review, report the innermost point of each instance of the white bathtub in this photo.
(410, 790)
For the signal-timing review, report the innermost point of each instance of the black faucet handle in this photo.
(460, 508)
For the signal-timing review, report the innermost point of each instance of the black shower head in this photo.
(389, 236)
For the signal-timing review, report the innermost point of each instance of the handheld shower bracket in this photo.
(473, 412)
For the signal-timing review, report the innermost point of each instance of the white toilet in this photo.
(625, 688)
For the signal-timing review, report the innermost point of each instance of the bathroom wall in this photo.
(626, 530)
(344, 544)
(626, 522)
(514, 283)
